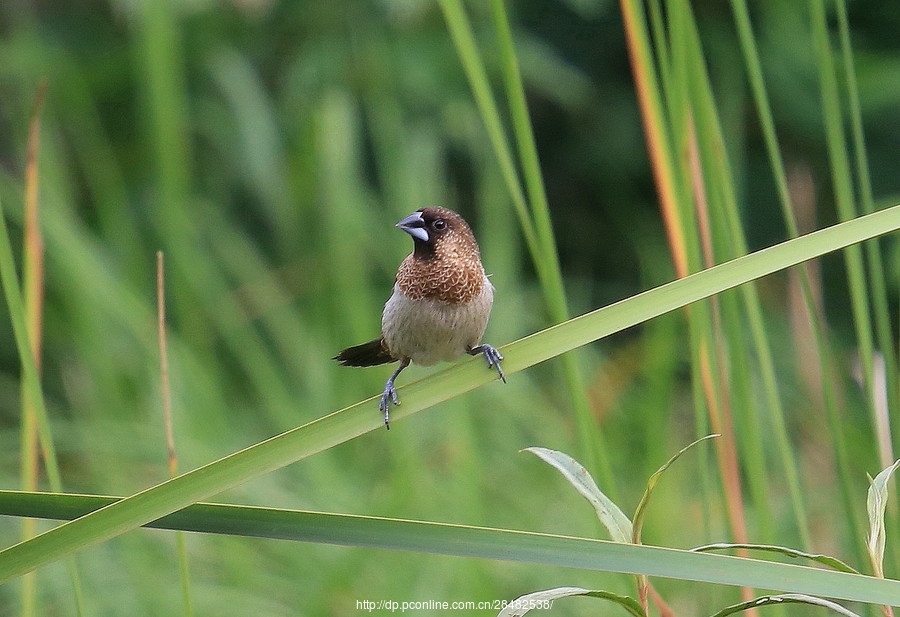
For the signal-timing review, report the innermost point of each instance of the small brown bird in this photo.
(440, 304)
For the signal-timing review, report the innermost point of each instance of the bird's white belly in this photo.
(430, 331)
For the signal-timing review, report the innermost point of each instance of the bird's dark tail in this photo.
(368, 354)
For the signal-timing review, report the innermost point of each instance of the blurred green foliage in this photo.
(267, 148)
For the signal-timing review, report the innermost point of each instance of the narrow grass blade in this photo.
(846, 202)
(638, 519)
(788, 598)
(482, 542)
(727, 239)
(825, 560)
(544, 600)
(592, 443)
(612, 517)
(876, 268)
(24, 314)
(763, 107)
(464, 39)
(343, 425)
(31, 383)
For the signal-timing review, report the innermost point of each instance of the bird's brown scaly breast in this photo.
(453, 278)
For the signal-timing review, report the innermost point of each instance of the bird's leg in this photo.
(490, 354)
(389, 394)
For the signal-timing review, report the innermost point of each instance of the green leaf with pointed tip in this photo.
(345, 424)
(543, 599)
(875, 504)
(787, 598)
(610, 515)
(478, 542)
(651, 484)
(825, 560)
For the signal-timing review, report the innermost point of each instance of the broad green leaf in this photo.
(615, 521)
(479, 542)
(544, 599)
(788, 598)
(875, 504)
(825, 560)
(651, 484)
(355, 420)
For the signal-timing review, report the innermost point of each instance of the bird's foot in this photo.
(492, 356)
(388, 396)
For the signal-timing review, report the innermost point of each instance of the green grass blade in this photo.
(464, 40)
(591, 441)
(343, 425)
(481, 542)
(751, 56)
(544, 599)
(864, 292)
(31, 382)
(845, 200)
(876, 268)
(159, 50)
(825, 560)
(528, 156)
(758, 347)
(534, 215)
(779, 600)
(638, 518)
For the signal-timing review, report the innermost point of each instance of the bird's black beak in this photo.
(414, 225)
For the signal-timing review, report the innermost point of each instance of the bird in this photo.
(439, 306)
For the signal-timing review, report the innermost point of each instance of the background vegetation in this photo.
(267, 148)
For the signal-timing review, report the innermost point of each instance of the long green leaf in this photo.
(592, 444)
(31, 382)
(343, 425)
(544, 600)
(466, 541)
(825, 560)
(464, 40)
(846, 201)
(638, 519)
(874, 262)
(761, 99)
(788, 598)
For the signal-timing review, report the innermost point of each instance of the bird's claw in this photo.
(388, 396)
(493, 358)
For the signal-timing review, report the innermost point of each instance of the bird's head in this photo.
(434, 228)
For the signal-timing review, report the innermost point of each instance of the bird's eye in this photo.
(439, 225)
